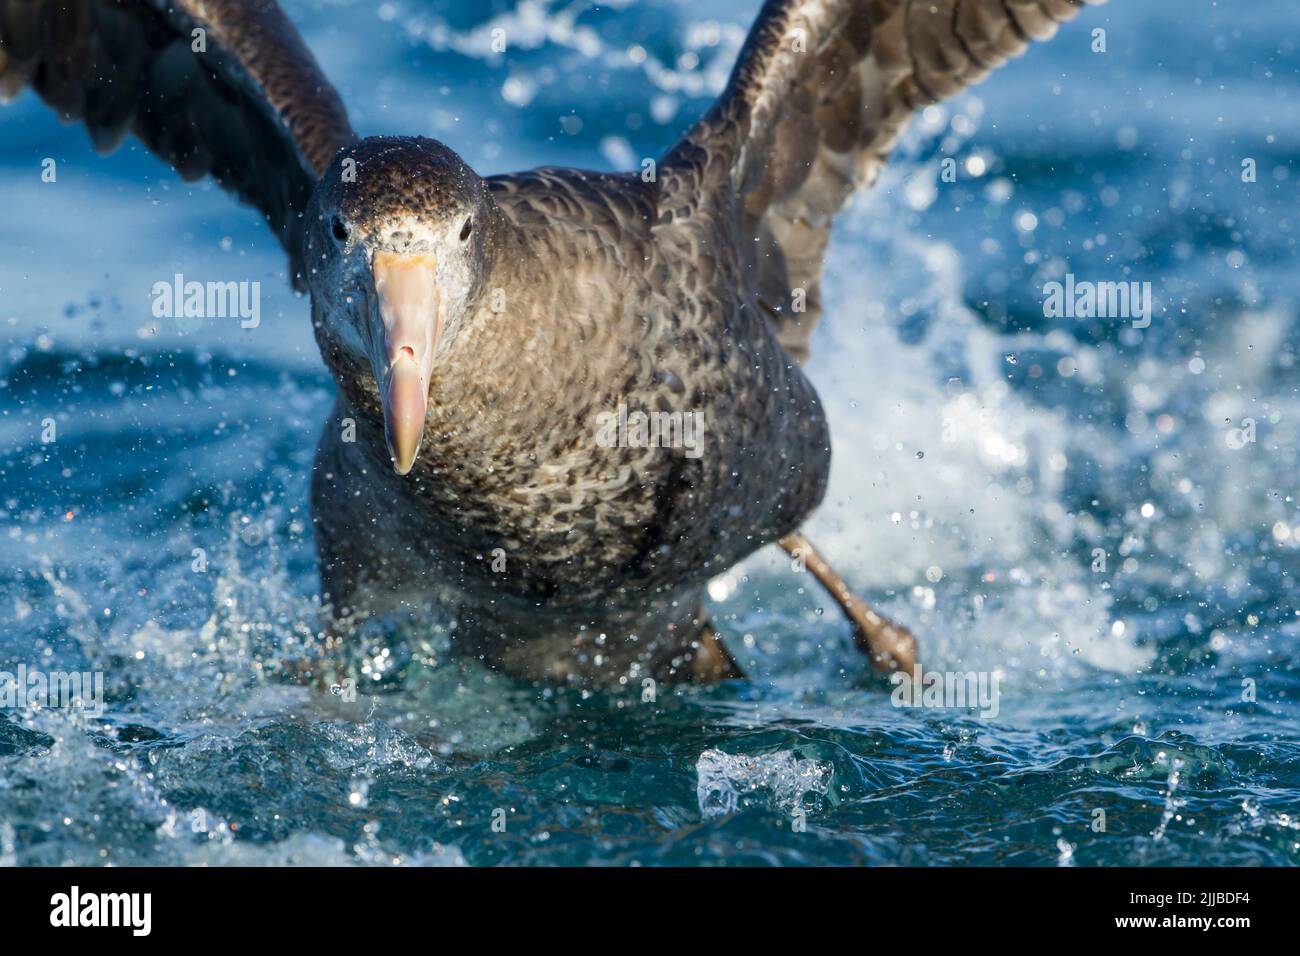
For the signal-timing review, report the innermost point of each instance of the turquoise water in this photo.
(1148, 708)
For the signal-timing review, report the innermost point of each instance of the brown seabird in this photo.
(510, 350)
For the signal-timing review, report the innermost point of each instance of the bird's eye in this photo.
(466, 229)
(340, 229)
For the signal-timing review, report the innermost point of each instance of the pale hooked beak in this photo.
(403, 359)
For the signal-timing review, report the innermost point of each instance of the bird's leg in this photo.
(890, 646)
(712, 661)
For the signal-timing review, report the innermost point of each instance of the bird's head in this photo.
(397, 241)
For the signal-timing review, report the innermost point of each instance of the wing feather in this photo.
(225, 88)
(819, 96)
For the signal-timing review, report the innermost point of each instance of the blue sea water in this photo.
(1071, 507)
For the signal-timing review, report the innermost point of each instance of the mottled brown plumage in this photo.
(545, 300)
(597, 309)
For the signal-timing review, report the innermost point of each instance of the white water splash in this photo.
(723, 778)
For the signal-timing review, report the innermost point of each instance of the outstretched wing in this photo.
(220, 87)
(818, 97)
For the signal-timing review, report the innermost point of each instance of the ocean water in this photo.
(1099, 519)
